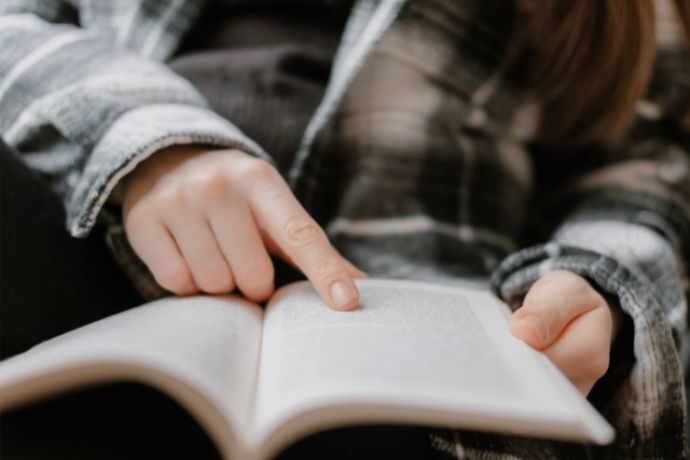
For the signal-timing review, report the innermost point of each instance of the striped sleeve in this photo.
(83, 103)
(635, 212)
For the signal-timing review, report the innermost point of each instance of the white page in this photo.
(409, 344)
(202, 351)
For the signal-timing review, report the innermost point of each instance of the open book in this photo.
(258, 380)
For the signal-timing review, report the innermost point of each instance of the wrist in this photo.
(174, 155)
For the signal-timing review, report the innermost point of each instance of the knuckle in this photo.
(213, 186)
(301, 231)
(256, 171)
(170, 198)
(260, 169)
(328, 268)
(262, 180)
(137, 216)
(209, 186)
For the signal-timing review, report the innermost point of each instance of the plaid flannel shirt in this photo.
(417, 162)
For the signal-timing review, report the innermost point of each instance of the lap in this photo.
(51, 282)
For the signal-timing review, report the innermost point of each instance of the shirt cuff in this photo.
(135, 136)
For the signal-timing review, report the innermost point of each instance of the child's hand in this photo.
(205, 220)
(563, 316)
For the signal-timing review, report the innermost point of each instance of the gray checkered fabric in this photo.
(418, 162)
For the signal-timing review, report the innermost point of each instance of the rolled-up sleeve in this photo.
(83, 105)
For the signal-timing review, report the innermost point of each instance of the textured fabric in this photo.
(277, 55)
(84, 102)
(438, 131)
(418, 164)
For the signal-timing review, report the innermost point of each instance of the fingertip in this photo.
(343, 295)
(259, 295)
(349, 306)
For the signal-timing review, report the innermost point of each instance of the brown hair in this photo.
(592, 62)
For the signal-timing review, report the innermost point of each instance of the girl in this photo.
(540, 145)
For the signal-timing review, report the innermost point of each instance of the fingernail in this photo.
(341, 294)
(535, 324)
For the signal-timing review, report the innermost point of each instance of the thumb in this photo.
(531, 329)
(551, 304)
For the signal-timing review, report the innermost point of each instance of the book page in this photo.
(440, 352)
(202, 351)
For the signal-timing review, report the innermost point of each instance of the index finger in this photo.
(302, 239)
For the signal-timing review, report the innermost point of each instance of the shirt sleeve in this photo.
(631, 215)
(625, 226)
(84, 101)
